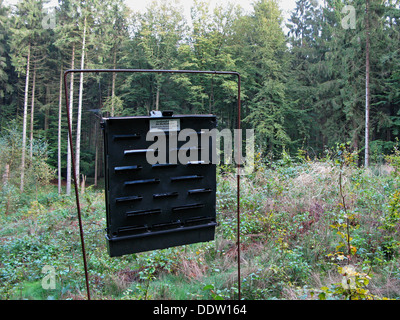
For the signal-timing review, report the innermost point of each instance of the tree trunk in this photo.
(158, 97)
(6, 177)
(25, 119)
(79, 121)
(47, 111)
(367, 98)
(59, 131)
(96, 154)
(6, 174)
(83, 184)
(95, 165)
(355, 137)
(32, 110)
(71, 98)
(113, 83)
(211, 102)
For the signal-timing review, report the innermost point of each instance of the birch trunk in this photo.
(96, 160)
(59, 131)
(158, 97)
(71, 97)
(79, 121)
(96, 154)
(47, 111)
(113, 83)
(25, 119)
(366, 164)
(32, 111)
(6, 174)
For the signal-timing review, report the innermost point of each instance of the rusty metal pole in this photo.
(238, 188)
(71, 146)
(73, 155)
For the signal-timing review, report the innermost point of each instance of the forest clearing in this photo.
(320, 212)
(293, 232)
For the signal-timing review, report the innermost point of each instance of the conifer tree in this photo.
(4, 33)
(68, 37)
(160, 31)
(25, 37)
(268, 105)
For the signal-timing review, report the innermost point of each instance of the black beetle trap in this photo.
(160, 182)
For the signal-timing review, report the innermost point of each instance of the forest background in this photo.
(302, 90)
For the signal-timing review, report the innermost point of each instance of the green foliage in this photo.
(37, 171)
(288, 238)
(394, 158)
(307, 210)
(391, 219)
(215, 294)
(352, 287)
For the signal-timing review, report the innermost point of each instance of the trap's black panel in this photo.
(156, 206)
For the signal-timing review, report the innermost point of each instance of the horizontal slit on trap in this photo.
(191, 177)
(133, 229)
(138, 151)
(197, 162)
(166, 226)
(127, 168)
(165, 195)
(142, 212)
(126, 136)
(198, 220)
(189, 207)
(128, 199)
(195, 191)
(144, 181)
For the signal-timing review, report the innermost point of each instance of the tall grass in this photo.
(289, 245)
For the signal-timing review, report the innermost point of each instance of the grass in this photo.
(291, 246)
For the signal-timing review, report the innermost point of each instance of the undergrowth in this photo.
(310, 229)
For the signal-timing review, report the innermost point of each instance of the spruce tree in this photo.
(268, 104)
(26, 34)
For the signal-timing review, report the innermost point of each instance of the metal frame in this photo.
(73, 155)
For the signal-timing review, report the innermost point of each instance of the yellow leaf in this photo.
(340, 257)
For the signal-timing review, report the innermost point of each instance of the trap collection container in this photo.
(160, 205)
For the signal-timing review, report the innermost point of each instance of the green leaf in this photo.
(208, 287)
